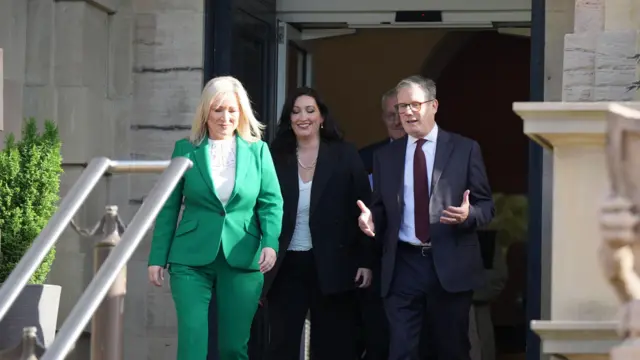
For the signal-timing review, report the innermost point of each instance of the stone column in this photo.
(599, 65)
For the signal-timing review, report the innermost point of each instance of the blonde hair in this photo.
(249, 128)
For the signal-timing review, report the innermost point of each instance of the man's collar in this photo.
(432, 136)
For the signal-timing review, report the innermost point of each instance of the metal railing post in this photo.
(29, 347)
(107, 326)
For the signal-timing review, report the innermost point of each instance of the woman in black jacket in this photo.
(323, 256)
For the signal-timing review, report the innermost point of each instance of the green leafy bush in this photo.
(30, 172)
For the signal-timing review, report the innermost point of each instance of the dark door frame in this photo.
(534, 243)
(218, 26)
(219, 16)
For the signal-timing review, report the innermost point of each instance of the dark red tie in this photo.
(421, 193)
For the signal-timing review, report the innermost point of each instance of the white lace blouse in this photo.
(222, 156)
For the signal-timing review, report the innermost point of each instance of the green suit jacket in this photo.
(251, 220)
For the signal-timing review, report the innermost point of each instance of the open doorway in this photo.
(479, 75)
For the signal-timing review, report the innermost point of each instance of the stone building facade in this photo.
(121, 79)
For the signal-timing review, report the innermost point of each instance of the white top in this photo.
(222, 157)
(301, 239)
(407, 231)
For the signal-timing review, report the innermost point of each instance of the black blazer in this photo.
(366, 153)
(339, 247)
(458, 166)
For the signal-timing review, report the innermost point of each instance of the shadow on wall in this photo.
(479, 75)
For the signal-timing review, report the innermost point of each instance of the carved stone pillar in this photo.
(620, 220)
(600, 64)
(583, 307)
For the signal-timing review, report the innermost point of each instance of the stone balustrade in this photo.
(600, 64)
(584, 307)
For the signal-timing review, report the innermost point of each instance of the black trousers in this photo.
(374, 326)
(417, 303)
(294, 293)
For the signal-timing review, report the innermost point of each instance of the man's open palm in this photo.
(365, 221)
(456, 214)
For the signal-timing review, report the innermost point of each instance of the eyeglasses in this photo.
(415, 106)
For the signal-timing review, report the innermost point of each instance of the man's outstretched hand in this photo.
(456, 214)
(365, 220)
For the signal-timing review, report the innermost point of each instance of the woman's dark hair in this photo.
(285, 140)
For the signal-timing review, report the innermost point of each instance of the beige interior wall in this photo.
(353, 92)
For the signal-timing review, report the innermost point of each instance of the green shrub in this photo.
(30, 172)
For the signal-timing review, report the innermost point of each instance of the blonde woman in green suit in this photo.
(227, 237)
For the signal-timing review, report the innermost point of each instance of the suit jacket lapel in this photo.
(443, 151)
(321, 175)
(204, 165)
(242, 162)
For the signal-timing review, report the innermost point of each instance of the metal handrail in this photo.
(17, 280)
(105, 277)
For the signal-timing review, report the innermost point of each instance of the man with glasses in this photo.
(430, 194)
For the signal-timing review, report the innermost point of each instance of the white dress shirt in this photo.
(407, 231)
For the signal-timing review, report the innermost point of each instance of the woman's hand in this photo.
(267, 259)
(156, 275)
(363, 277)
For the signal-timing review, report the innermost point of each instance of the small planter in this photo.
(36, 306)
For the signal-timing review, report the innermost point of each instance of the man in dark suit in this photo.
(375, 327)
(430, 194)
(392, 124)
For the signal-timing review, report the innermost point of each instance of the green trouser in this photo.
(238, 292)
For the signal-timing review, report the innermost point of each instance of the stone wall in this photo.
(599, 63)
(121, 79)
(167, 78)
